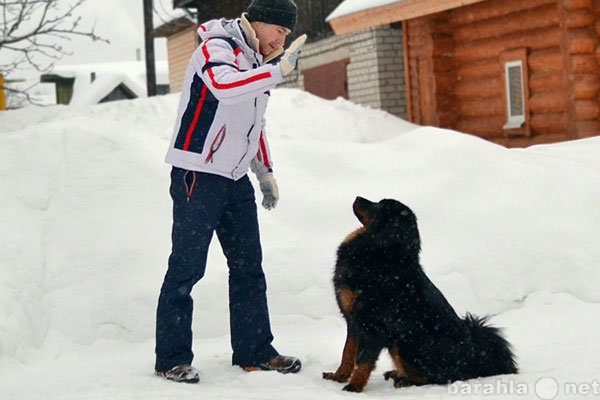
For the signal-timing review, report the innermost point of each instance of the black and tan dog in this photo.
(389, 303)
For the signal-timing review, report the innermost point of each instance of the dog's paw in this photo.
(393, 374)
(333, 376)
(353, 388)
(329, 376)
(400, 381)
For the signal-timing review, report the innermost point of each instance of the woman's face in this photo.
(271, 37)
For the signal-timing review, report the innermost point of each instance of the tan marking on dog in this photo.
(347, 298)
(354, 234)
(360, 377)
(342, 374)
(403, 376)
(398, 362)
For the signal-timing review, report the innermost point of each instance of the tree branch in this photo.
(32, 33)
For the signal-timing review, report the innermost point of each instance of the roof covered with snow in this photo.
(93, 82)
(347, 7)
(353, 15)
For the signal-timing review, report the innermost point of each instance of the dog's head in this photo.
(389, 222)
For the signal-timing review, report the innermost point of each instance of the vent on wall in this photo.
(515, 94)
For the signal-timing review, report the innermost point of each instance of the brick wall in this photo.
(375, 71)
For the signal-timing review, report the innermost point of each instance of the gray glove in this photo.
(289, 59)
(268, 187)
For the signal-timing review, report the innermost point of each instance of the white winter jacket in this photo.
(220, 120)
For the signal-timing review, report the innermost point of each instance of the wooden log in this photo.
(482, 49)
(581, 41)
(579, 19)
(550, 137)
(547, 60)
(439, 24)
(520, 142)
(583, 64)
(488, 10)
(479, 89)
(443, 66)
(587, 128)
(444, 86)
(478, 70)
(490, 107)
(548, 123)
(447, 118)
(546, 82)
(487, 128)
(585, 87)
(543, 17)
(586, 110)
(576, 4)
(547, 103)
(443, 47)
(446, 103)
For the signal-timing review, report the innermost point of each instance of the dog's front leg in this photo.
(342, 374)
(366, 356)
(360, 377)
(402, 375)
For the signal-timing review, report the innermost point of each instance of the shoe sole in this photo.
(292, 369)
(178, 380)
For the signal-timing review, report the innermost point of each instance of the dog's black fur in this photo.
(388, 302)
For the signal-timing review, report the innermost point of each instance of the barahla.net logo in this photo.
(544, 388)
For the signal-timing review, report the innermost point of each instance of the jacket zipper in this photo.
(216, 144)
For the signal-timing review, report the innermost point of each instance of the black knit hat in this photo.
(276, 12)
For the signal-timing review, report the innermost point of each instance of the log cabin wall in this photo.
(456, 69)
(579, 19)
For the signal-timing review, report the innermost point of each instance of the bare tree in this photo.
(33, 34)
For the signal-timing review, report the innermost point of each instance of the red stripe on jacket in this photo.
(235, 84)
(263, 150)
(188, 135)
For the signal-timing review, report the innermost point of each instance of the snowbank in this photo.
(86, 234)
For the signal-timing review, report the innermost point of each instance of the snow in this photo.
(347, 7)
(107, 76)
(85, 223)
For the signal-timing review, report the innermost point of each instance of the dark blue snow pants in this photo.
(203, 204)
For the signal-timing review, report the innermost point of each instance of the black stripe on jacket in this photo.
(194, 128)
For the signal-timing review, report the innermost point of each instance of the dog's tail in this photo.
(493, 354)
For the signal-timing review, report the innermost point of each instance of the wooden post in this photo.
(407, 80)
(2, 96)
(149, 46)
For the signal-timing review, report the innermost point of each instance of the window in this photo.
(516, 92)
(515, 95)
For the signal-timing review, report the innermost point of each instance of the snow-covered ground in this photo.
(85, 236)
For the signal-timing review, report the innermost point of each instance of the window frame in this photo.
(516, 125)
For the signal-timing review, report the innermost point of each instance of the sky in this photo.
(85, 220)
(122, 23)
